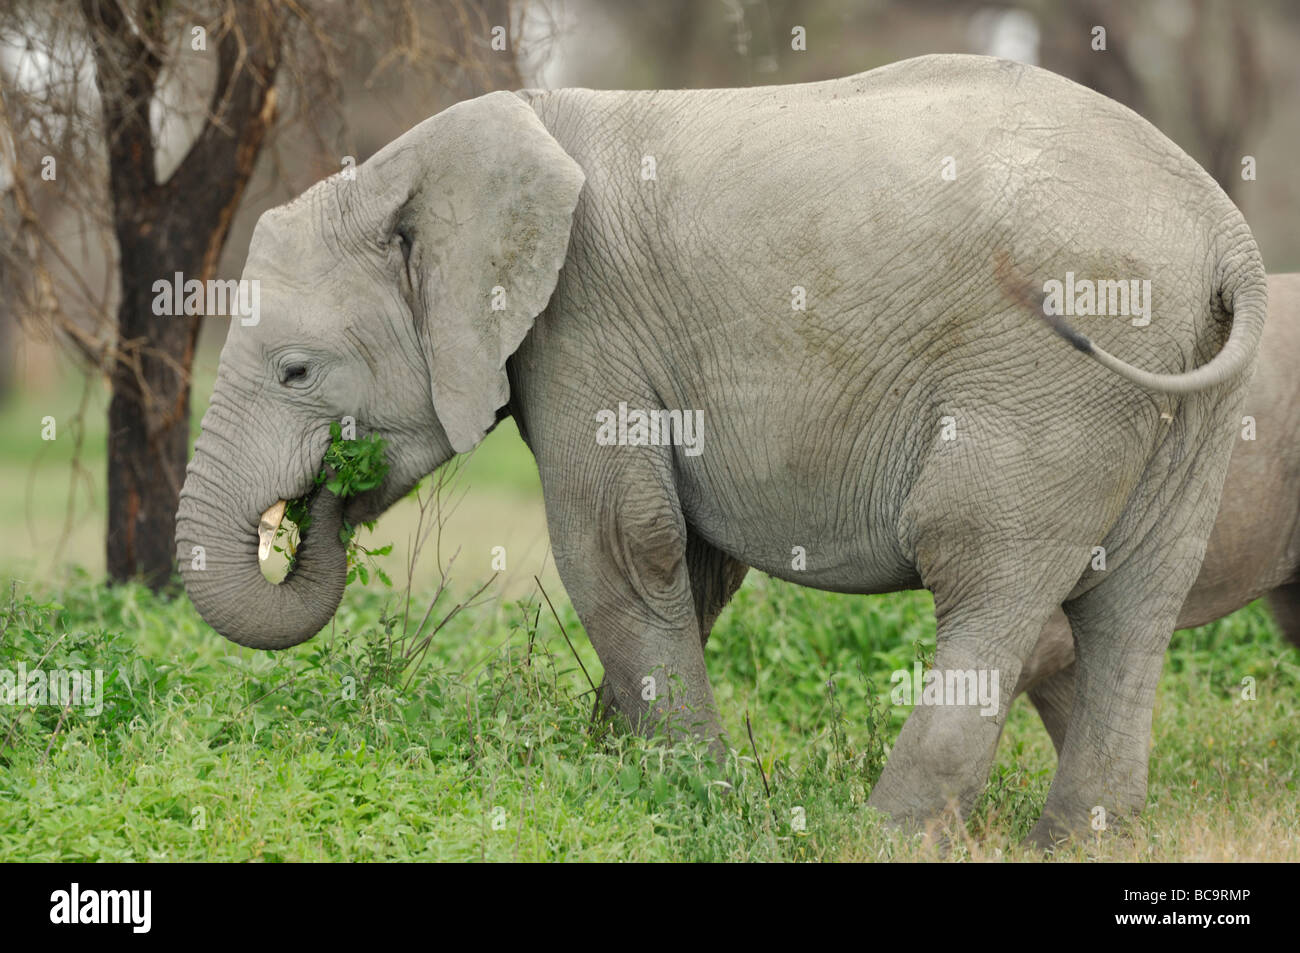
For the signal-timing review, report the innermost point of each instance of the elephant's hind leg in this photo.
(992, 597)
(1122, 627)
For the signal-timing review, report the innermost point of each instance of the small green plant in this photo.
(348, 468)
(358, 465)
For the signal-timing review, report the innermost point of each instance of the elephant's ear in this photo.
(487, 220)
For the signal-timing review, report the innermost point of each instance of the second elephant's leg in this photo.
(1048, 677)
(1053, 697)
(1284, 602)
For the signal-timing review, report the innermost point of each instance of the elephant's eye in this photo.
(293, 372)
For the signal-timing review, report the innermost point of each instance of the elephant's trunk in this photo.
(217, 546)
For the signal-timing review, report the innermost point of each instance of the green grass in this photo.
(483, 748)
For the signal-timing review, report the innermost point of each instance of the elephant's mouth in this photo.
(284, 525)
(281, 529)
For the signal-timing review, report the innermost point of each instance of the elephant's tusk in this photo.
(267, 527)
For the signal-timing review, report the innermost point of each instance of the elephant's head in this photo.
(394, 296)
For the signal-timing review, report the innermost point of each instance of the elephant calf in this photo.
(1254, 549)
(873, 323)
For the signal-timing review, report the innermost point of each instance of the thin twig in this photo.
(417, 653)
(57, 728)
(566, 637)
(757, 759)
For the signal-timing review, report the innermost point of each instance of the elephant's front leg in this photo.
(620, 544)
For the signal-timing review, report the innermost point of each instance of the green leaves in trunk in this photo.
(349, 467)
(358, 465)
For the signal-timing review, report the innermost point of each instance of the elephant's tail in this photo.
(1246, 299)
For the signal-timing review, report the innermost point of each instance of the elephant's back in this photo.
(927, 200)
(912, 213)
(934, 152)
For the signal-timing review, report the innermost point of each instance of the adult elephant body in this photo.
(1254, 548)
(842, 284)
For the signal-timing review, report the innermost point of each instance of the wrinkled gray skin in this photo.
(821, 427)
(1254, 549)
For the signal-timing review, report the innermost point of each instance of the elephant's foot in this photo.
(670, 718)
(939, 831)
(1094, 792)
(1085, 820)
(1122, 628)
(1049, 834)
(937, 769)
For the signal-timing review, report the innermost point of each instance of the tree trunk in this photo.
(163, 228)
(148, 419)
